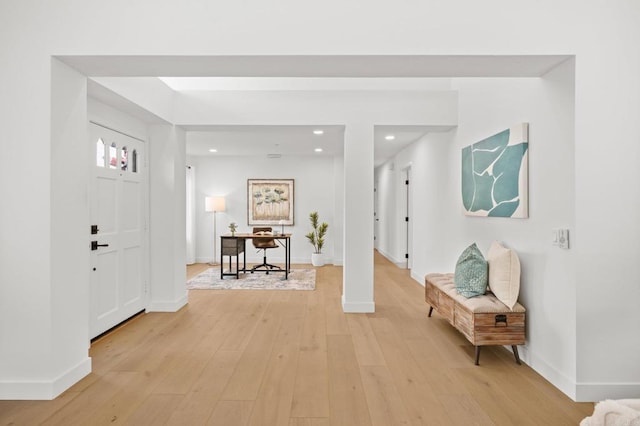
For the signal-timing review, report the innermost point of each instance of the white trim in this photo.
(592, 392)
(168, 306)
(117, 131)
(358, 307)
(402, 264)
(45, 390)
(565, 384)
(419, 279)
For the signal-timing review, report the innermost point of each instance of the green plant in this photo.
(232, 227)
(316, 237)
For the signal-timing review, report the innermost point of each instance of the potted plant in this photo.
(232, 227)
(316, 238)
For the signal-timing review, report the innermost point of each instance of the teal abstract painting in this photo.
(495, 174)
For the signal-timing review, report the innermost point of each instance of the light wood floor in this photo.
(294, 358)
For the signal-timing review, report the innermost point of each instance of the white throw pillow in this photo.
(504, 274)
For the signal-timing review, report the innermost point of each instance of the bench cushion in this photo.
(487, 303)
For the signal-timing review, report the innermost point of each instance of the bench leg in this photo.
(477, 355)
(515, 353)
(430, 310)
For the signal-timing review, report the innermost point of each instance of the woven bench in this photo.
(483, 320)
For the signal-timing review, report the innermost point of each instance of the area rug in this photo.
(299, 279)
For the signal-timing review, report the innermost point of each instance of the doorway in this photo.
(118, 200)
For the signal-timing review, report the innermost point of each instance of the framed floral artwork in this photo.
(270, 201)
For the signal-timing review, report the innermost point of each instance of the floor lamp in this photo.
(215, 205)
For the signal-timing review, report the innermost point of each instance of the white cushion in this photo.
(504, 274)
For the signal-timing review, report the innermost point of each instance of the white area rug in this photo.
(299, 279)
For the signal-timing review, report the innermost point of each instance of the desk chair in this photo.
(264, 244)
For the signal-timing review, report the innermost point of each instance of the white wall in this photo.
(607, 102)
(441, 231)
(227, 176)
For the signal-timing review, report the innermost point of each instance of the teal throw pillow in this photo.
(471, 274)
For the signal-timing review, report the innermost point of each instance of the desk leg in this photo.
(237, 262)
(244, 256)
(287, 260)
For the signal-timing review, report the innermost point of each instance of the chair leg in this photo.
(264, 264)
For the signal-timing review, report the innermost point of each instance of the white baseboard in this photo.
(565, 384)
(45, 389)
(419, 279)
(168, 306)
(358, 307)
(400, 263)
(593, 392)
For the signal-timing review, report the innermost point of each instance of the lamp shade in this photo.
(214, 204)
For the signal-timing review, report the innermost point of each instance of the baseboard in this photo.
(419, 279)
(45, 390)
(168, 306)
(593, 392)
(565, 384)
(358, 307)
(400, 263)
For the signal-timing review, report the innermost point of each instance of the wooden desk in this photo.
(237, 244)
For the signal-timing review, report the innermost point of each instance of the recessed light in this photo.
(213, 150)
(318, 132)
(318, 150)
(390, 137)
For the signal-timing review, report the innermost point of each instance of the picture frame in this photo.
(270, 202)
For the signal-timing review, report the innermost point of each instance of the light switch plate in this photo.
(561, 238)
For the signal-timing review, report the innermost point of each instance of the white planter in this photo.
(317, 259)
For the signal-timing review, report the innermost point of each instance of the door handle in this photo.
(95, 245)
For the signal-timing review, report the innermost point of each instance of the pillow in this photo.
(471, 272)
(504, 274)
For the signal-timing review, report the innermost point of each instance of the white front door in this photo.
(118, 200)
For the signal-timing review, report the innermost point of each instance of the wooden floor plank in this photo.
(273, 403)
(155, 410)
(420, 400)
(311, 392)
(346, 393)
(231, 413)
(366, 346)
(246, 380)
(385, 403)
(295, 358)
(309, 422)
(80, 411)
(198, 404)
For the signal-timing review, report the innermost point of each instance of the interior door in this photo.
(118, 200)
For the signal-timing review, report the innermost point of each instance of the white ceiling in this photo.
(357, 72)
(264, 140)
(295, 140)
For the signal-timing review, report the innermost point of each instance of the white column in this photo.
(357, 295)
(167, 225)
